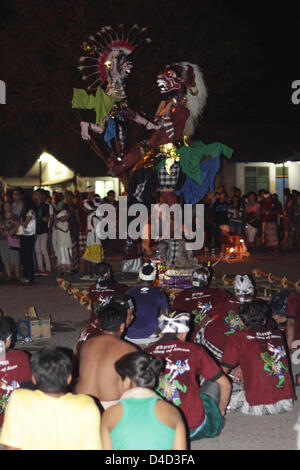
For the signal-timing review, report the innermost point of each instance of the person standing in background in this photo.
(221, 221)
(64, 242)
(270, 210)
(73, 221)
(41, 248)
(17, 203)
(27, 231)
(252, 219)
(12, 247)
(296, 207)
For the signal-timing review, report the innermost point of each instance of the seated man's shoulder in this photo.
(123, 347)
(93, 341)
(105, 341)
(28, 398)
(294, 297)
(79, 400)
(157, 291)
(16, 355)
(129, 346)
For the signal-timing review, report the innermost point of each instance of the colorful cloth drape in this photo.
(200, 175)
(101, 103)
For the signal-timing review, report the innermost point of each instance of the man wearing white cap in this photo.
(149, 302)
(91, 196)
(205, 406)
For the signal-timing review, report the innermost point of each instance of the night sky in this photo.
(248, 52)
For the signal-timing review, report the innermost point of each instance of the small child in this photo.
(14, 365)
(63, 242)
(49, 418)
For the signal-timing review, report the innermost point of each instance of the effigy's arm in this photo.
(82, 100)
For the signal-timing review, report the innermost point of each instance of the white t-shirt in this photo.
(31, 227)
(51, 212)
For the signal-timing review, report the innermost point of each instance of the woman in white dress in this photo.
(63, 242)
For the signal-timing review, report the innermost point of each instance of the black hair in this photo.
(51, 367)
(251, 193)
(112, 316)
(7, 328)
(279, 302)
(148, 269)
(141, 368)
(254, 314)
(102, 269)
(122, 299)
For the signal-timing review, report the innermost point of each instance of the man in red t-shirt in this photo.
(263, 359)
(223, 320)
(203, 407)
(200, 299)
(104, 289)
(215, 332)
(14, 365)
(199, 296)
(285, 308)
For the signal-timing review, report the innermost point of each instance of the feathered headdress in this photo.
(108, 47)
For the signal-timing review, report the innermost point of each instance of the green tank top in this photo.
(139, 428)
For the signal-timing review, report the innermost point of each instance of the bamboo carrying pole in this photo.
(271, 278)
(77, 294)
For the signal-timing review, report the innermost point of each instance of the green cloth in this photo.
(101, 103)
(139, 428)
(213, 423)
(192, 155)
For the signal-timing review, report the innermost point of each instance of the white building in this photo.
(266, 156)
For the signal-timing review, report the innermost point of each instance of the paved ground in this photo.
(69, 318)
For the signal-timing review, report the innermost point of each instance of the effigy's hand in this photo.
(150, 126)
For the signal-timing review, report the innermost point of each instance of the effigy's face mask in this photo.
(168, 81)
(243, 288)
(243, 296)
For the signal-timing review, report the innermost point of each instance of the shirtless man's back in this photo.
(97, 375)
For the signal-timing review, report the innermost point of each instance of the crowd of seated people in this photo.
(147, 375)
